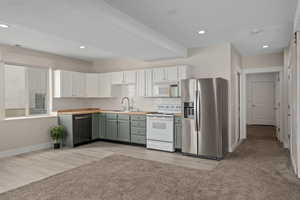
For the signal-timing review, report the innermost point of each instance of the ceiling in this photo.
(62, 26)
(145, 29)
(224, 21)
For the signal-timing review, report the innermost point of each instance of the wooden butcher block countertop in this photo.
(96, 110)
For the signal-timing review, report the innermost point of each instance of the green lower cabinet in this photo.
(178, 130)
(138, 139)
(138, 129)
(102, 126)
(124, 130)
(111, 129)
(178, 133)
(95, 126)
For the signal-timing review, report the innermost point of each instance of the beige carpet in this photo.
(257, 170)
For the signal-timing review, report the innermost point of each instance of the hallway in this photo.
(260, 168)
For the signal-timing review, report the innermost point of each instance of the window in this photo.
(26, 91)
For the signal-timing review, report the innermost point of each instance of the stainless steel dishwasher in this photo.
(82, 129)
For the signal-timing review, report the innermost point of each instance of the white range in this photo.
(160, 128)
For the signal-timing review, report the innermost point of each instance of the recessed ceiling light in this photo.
(3, 26)
(265, 46)
(201, 32)
(82, 47)
(256, 31)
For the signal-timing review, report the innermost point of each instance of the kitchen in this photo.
(159, 129)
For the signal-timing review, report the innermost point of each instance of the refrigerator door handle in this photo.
(199, 110)
(196, 110)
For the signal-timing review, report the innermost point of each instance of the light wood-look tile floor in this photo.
(23, 169)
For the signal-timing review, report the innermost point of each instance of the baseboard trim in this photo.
(23, 150)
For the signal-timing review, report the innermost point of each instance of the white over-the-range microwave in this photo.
(166, 90)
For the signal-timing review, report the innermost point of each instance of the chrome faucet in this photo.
(128, 103)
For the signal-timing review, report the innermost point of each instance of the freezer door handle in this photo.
(196, 111)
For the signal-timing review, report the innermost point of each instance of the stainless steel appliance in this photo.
(166, 90)
(82, 129)
(205, 117)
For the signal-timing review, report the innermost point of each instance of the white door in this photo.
(290, 103)
(92, 85)
(262, 102)
(277, 105)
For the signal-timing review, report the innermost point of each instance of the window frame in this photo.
(27, 92)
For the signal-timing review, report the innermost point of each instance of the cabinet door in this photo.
(159, 75)
(95, 126)
(130, 77)
(104, 83)
(82, 129)
(140, 83)
(178, 130)
(149, 83)
(78, 84)
(62, 84)
(102, 126)
(171, 73)
(92, 85)
(184, 72)
(117, 78)
(124, 130)
(111, 129)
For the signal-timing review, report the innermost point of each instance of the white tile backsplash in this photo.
(140, 103)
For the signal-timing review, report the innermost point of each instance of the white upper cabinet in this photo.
(140, 83)
(78, 84)
(130, 77)
(117, 78)
(148, 83)
(171, 73)
(104, 83)
(126, 77)
(184, 72)
(69, 84)
(62, 84)
(167, 74)
(92, 85)
(159, 75)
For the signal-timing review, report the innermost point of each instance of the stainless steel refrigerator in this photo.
(205, 117)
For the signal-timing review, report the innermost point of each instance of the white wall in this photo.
(16, 134)
(292, 86)
(263, 60)
(212, 61)
(236, 65)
